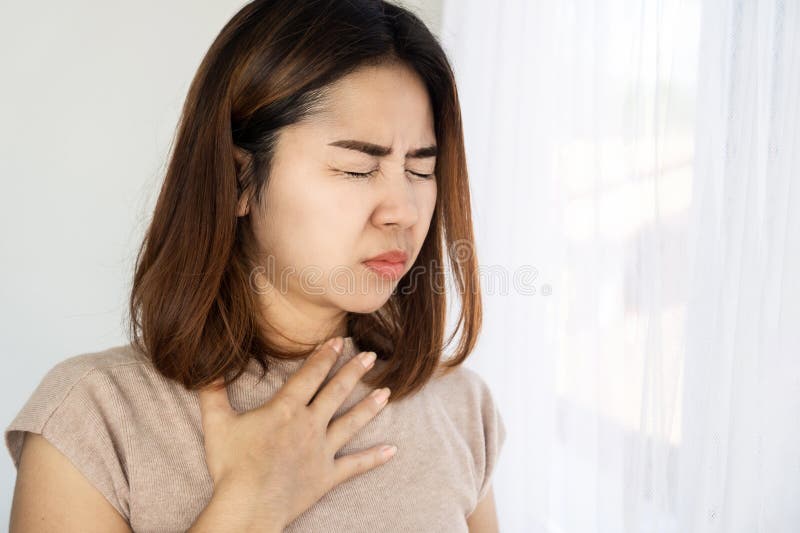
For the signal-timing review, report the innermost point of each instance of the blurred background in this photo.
(631, 164)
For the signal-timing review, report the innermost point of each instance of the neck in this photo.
(293, 321)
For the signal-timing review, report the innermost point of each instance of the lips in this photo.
(393, 256)
(389, 264)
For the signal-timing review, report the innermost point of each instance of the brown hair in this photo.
(193, 311)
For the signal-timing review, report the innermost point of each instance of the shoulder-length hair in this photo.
(192, 310)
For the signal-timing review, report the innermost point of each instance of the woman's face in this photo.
(317, 224)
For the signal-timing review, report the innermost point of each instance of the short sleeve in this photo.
(494, 434)
(74, 408)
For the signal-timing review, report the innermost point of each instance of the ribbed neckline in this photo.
(286, 367)
(349, 350)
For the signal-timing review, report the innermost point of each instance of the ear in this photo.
(243, 205)
(243, 159)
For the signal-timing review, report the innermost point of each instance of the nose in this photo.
(398, 202)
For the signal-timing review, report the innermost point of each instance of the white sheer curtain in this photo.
(639, 238)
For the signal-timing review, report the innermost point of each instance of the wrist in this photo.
(233, 507)
(242, 497)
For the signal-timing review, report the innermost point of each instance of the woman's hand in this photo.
(283, 452)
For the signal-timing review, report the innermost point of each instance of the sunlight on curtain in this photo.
(637, 231)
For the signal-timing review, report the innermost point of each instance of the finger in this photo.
(304, 384)
(342, 430)
(214, 404)
(349, 466)
(340, 386)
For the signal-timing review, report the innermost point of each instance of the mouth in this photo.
(386, 269)
(390, 265)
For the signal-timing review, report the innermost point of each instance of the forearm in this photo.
(231, 510)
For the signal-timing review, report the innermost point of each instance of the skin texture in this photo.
(275, 461)
(52, 495)
(484, 518)
(314, 218)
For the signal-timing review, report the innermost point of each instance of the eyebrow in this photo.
(381, 151)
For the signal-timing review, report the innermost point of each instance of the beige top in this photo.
(137, 437)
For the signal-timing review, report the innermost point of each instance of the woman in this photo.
(316, 182)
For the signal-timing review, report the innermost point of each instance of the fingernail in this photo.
(367, 359)
(388, 451)
(336, 344)
(380, 395)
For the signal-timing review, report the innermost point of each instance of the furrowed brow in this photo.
(377, 150)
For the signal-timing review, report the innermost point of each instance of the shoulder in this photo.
(72, 369)
(466, 385)
(76, 408)
(79, 381)
(470, 403)
(76, 384)
(59, 380)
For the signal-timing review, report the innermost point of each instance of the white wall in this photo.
(90, 95)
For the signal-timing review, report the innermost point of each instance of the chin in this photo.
(365, 300)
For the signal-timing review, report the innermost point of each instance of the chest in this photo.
(427, 486)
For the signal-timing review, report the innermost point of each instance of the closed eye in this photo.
(370, 173)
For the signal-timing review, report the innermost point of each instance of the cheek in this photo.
(427, 203)
(319, 226)
(427, 200)
(290, 220)
(434, 193)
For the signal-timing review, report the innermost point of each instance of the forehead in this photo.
(386, 97)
